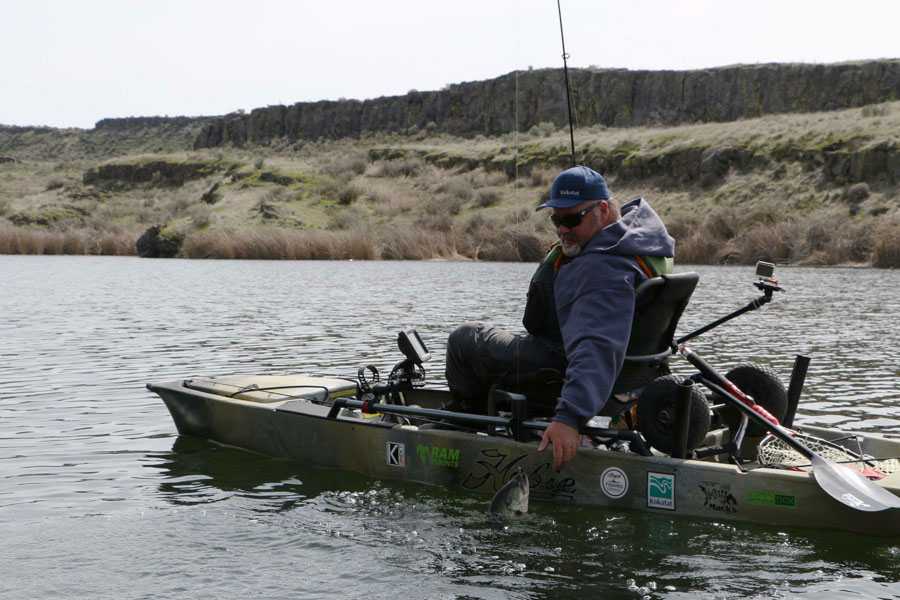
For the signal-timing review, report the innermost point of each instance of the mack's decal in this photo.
(396, 454)
(718, 497)
(437, 456)
(661, 491)
(772, 499)
(495, 467)
(614, 482)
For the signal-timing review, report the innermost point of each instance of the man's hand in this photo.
(565, 443)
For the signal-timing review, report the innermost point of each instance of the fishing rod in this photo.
(566, 70)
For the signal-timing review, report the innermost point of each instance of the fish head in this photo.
(512, 499)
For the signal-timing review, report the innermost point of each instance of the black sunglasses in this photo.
(572, 220)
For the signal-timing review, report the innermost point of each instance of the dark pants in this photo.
(479, 356)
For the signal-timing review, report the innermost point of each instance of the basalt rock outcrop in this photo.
(155, 172)
(611, 97)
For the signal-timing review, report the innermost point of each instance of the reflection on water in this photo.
(99, 497)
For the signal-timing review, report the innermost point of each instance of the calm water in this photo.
(99, 498)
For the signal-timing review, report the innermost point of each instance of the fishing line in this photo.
(516, 187)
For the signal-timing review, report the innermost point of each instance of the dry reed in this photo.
(21, 240)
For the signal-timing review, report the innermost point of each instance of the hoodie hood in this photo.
(639, 231)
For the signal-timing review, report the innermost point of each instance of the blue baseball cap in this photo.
(574, 186)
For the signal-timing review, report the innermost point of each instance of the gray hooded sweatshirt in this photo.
(594, 294)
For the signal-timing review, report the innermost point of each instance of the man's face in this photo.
(594, 214)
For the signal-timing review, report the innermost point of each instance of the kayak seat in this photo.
(659, 304)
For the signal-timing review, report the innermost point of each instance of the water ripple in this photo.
(93, 476)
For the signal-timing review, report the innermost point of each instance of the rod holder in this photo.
(682, 418)
(795, 388)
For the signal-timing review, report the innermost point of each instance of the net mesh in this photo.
(773, 452)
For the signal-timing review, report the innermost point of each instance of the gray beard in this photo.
(570, 250)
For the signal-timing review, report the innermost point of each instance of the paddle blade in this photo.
(850, 487)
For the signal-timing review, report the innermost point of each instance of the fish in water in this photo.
(512, 499)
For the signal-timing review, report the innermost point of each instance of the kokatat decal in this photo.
(661, 491)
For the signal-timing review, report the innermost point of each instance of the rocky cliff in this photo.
(619, 98)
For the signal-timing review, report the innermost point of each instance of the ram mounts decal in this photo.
(718, 497)
(496, 467)
(436, 456)
(661, 490)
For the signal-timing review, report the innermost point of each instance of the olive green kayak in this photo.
(406, 435)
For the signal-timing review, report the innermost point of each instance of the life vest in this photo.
(540, 319)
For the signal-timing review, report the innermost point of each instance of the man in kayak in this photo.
(578, 312)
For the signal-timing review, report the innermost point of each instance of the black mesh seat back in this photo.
(659, 304)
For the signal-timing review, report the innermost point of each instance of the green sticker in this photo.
(772, 499)
(439, 457)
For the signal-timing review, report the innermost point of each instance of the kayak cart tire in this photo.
(761, 384)
(656, 414)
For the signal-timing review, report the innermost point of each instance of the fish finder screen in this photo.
(412, 346)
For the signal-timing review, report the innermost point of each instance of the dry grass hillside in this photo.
(817, 188)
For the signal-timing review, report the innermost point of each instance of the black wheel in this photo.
(656, 414)
(763, 385)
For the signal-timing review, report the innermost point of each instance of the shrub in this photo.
(886, 245)
(513, 244)
(348, 193)
(474, 222)
(858, 192)
(211, 196)
(444, 204)
(722, 223)
(55, 183)
(353, 164)
(493, 178)
(543, 129)
(541, 177)
(435, 221)
(346, 218)
(399, 167)
(201, 215)
(458, 188)
(486, 198)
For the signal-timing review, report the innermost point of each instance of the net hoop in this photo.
(772, 452)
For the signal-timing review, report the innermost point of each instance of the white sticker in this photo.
(614, 482)
(396, 454)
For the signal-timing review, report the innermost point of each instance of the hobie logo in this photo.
(661, 491)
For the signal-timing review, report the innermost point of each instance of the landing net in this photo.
(773, 452)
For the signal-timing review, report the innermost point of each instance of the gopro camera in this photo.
(765, 270)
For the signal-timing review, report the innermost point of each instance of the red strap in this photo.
(768, 416)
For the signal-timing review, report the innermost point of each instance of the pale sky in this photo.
(70, 63)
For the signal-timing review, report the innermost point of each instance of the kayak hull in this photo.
(297, 423)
